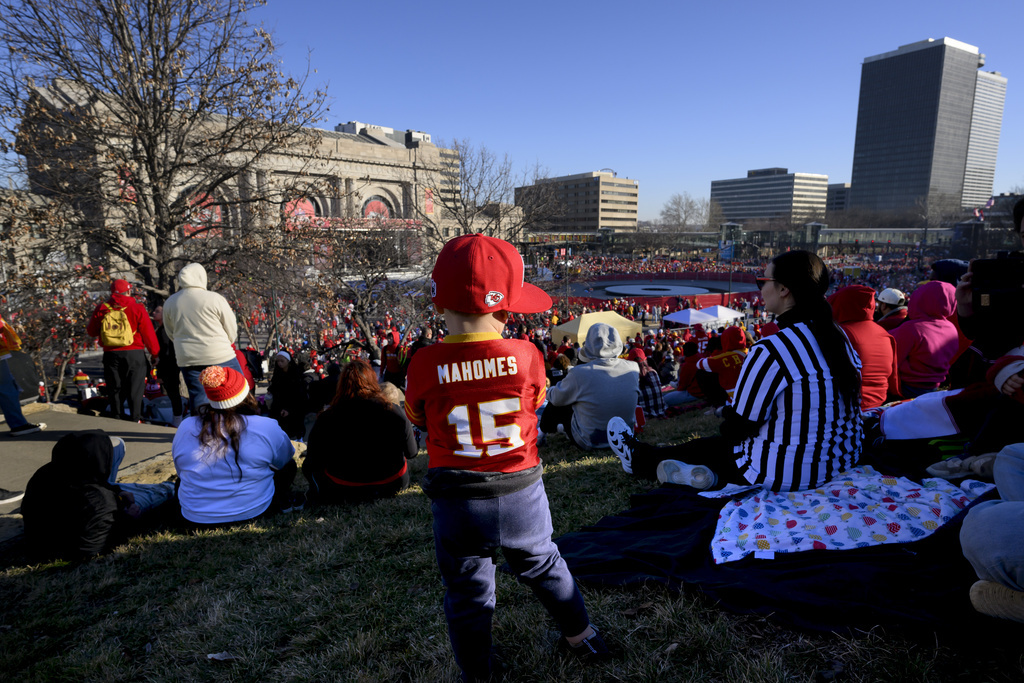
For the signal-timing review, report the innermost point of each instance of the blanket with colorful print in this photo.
(861, 509)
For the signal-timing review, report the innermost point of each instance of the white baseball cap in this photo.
(893, 297)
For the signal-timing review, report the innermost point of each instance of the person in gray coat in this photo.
(601, 387)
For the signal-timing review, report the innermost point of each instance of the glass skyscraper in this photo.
(928, 127)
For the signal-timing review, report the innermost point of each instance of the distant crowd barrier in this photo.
(674, 303)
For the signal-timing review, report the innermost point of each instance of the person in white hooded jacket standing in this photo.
(202, 327)
(603, 386)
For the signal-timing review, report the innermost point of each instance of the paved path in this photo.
(21, 457)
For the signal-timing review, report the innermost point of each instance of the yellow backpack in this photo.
(115, 330)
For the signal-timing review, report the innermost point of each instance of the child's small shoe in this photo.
(590, 649)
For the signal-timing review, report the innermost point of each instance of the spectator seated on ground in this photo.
(602, 386)
(650, 385)
(233, 464)
(794, 421)
(992, 537)
(718, 372)
(852, 307)
(559, 369)
(359, 447)
(687, 388)
(73, 508)
(891, 310)
(927, 342)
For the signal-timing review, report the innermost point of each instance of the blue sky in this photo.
(672, 94)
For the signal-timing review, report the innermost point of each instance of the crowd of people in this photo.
(797, 382)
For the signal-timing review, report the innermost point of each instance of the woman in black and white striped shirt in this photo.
(794, 421)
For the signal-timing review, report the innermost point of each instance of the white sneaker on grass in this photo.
(622, 442)
(675, 472)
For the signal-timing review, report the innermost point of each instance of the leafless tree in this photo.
(680, 212)
(475, 191)
(154, 120)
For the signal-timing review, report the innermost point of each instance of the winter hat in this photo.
(637, 355)
(120, 287)
(287, 356)
(479, 274)
(225, 387)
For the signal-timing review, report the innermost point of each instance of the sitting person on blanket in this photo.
(992, 537)
(794, 420)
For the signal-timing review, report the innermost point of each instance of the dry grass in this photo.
(353, 594)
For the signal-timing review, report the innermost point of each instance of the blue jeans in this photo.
(467, 537)
(147, 496)
(993, 532)
(10, 397)
(196, 393)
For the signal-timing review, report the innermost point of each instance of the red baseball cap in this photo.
(120, 286)
(480, 274)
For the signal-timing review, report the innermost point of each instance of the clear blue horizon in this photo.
(671, 94)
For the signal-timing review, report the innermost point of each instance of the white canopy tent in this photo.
(689, 316)
(722, 313)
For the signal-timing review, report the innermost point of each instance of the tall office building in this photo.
(928, 127)
(771, 194)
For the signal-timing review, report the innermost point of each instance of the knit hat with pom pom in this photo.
(225, 387)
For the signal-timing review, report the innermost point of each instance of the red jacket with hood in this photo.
(142, 326)
(852, 308)
(727, 363)
(927, 342)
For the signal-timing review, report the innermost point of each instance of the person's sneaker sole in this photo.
(617, 431)
(31, 429)
(996, 600)
(696, 476)
(10, 496)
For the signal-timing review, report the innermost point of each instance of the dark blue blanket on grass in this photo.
(665, 536)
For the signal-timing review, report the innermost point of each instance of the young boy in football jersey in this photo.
(477, 395)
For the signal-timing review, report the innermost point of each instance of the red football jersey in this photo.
(477, 395)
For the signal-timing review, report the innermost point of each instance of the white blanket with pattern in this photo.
(862, 508)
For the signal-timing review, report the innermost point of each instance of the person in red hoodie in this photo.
(927, 342)
(852, 308)
(718, 373)
(125, 366)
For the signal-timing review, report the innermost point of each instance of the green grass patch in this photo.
(353, 594)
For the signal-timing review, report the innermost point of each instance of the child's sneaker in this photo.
(675, 472)
(622, 441)
(590, 649)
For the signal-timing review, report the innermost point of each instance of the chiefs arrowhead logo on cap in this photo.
(493, 298)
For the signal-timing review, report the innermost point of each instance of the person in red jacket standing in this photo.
(852, 309)
(124, 364)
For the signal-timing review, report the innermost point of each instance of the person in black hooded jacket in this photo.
(73, 509)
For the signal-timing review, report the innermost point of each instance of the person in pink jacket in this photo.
(927, 343)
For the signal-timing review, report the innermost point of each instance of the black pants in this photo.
(171, 379)
(712, 388)
(714, 452)
(125, 374)
(557, 415)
